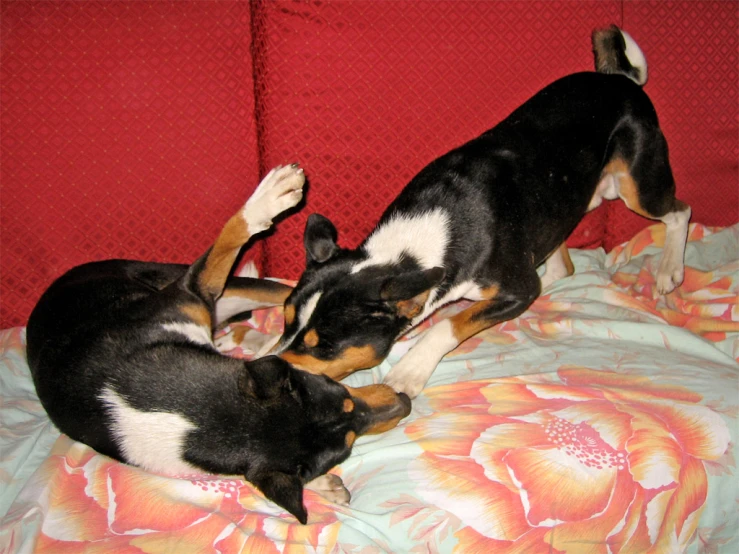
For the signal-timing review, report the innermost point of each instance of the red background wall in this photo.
(127, 129)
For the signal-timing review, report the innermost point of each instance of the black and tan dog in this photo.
(477, 222)
(123, 360)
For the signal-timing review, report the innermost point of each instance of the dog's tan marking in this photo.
(374, 396)
(466, 324)
(564, 252)
(311, 338)
(198, 314)
(377, 396)
(352, 359)
(348, 405)
(238, 334)
(289, 314)
(414, 306)
(627, 188)
(223, 255)
(351, 436)
(274, 298)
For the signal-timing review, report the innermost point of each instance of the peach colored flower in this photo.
(101, 505)
(654, 235)
(704, 304)
(597, 460)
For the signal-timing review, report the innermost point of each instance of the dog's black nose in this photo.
(406, 401)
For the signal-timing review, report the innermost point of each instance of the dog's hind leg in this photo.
(281, 189)
(244, 294)
(239, 298)
(558, 265)
(498, 303)
(671, 270)
(647, 187)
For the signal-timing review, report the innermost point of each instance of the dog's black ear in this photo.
(264, 378)
(319, 239)
(410, 291)
(284, 490)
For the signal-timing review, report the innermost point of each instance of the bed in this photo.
(604, 419)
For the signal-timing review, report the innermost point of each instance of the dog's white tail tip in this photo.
(636, 57)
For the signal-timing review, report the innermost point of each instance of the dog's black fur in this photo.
(139, 334)
(504, 203)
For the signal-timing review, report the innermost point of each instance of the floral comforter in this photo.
(602, 420)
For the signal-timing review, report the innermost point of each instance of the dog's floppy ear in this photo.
(284, 490)
(409, 291)
(264, 378)
(319, 239)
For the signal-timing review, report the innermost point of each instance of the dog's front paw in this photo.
(409, 383)
(414, 369)
(331, 487)
(280, 190)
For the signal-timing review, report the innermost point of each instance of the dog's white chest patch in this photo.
(424, 237)
(151, 440)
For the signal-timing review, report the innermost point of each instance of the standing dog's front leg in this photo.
(414, 369)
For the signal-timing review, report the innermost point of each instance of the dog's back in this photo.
(110, 316)
(531, 177)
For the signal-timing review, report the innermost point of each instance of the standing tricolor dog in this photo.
(477, 222)
(123, 360)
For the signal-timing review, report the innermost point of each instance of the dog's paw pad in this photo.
(331, 487)
(280, 190)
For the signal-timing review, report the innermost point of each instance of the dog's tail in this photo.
(616, 52)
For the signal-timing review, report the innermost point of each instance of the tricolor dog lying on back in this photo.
(123, 360)
(477, 222)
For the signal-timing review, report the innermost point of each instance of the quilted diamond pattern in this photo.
(127, 131)
(691, 49)
(127, 128)
(365, 93)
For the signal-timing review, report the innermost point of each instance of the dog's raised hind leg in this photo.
(281, 189)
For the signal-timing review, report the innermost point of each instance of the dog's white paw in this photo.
(669, 278)
(670, 273)
(280, 190)
(402, 380)
(414, 369)
(330, 487)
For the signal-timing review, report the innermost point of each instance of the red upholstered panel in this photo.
(691, 50)
(365, 93)
(127, 131)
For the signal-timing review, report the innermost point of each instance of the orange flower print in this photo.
(99, 505)
(594, 461)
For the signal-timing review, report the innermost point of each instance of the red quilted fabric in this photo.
(691, 49)
(128, 128)
(127, 131)
(365, 93)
